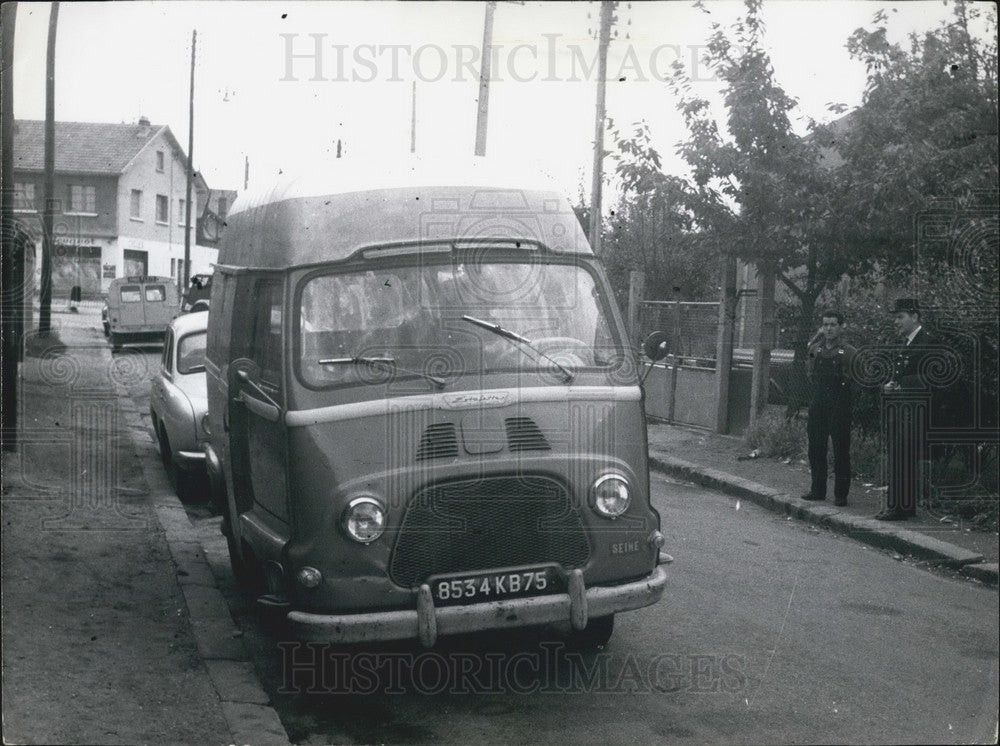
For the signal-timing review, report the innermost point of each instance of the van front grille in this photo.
(524, 435)
(438, 441)
(487, 523)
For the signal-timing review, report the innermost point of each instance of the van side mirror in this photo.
(244, 370)
(655, 346)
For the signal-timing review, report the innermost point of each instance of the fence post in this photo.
(676, 360)
(761, 385)
(636, 289)
(724, 344)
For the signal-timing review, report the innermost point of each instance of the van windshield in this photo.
(414, 320)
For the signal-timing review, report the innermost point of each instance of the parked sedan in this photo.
(179, 404)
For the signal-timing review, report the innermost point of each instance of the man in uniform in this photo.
(829, 370)
(908, 404)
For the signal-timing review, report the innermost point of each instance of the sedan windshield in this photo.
(364, 327)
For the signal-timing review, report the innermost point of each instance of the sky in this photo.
(280, 83)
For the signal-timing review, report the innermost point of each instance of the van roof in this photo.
(142, 280)
(335, 209)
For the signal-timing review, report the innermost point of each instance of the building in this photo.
(118, 206)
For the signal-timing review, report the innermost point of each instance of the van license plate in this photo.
(492, 586)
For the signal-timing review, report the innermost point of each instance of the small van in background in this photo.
(137, 309)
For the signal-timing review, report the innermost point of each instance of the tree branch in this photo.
(796, 290)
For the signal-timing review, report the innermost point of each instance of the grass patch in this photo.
(777, 436)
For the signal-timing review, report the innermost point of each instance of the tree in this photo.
(755, 183)
(918, 176)
(651, 228)
(924, 137)
(854, 195)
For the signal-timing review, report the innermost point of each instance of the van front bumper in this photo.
(426, 623)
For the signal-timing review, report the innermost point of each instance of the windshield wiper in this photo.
(514, 337)
(384, 361)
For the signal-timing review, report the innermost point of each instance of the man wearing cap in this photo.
(830, 408)
(907, 421)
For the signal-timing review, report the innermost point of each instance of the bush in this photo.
(777, 436)
(866, 456)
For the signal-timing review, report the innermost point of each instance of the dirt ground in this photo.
(97, 646)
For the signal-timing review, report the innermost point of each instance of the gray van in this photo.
(425, 416)
(138, 309)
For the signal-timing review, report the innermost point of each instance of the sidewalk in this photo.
(113, 628)
(711, 460)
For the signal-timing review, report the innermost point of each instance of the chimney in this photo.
(144, 126)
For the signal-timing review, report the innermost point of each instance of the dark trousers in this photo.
(906, 446)
(830, 421)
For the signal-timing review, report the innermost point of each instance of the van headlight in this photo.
(610, 495)
(364, 519)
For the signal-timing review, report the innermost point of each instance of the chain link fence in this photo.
(692, 328)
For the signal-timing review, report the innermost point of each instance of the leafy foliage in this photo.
(926, 132)
(860, 195)
(651, 229)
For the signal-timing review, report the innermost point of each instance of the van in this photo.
(137, 309)
(425, 417)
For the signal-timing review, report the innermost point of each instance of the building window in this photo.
(135, 211)
(162, 209)
(159, 161)
(82, 199)
(223, 207)
(181, 216)
(24, 197)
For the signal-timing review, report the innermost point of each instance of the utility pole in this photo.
(604, 39)
(485, 72)
(190, 173)
(45, 296)
(413, 117)
(12, 284)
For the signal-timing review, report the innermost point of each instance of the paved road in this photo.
(770, 632)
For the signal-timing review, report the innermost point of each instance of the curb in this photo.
(865, 530)
(244, 704)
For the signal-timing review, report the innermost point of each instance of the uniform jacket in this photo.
(829, 373)
(909, 360)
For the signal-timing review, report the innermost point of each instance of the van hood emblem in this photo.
(477, 399)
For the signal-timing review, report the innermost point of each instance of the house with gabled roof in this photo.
(119, 203)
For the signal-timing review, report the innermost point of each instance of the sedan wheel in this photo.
(185, 484)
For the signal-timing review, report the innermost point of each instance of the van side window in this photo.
(131, 294)
(265, 347)
(156, 293)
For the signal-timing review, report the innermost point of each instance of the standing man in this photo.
(907, 406)
(829, 370)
